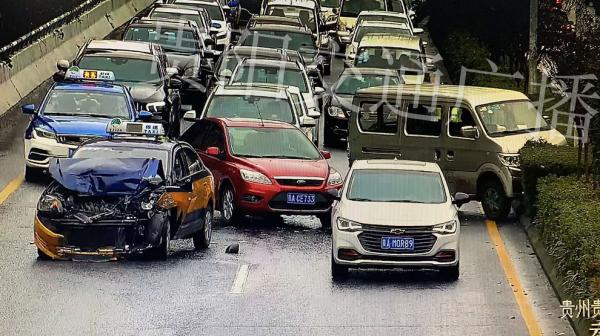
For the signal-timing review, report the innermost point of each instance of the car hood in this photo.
(397, 214)
(146, 93)
(70, 125)
(99, 176)
(188, 63)
(286, 167)
(511, 144)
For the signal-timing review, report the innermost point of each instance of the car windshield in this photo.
(389, 58)
(172, 40)
(350, 84)
(131, 70)
(394, 185)
(272, 75)
(247, 106)
(86, 103)
(302, 42)
(381, 18)
(289, 143)
(351, 8)
(330, 3)
(511, 117)
(307, 16)
(364, 30)
(92, 152)
(213, 11)
(177, 16)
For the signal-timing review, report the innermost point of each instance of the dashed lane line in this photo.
(513, 280)
(240, 280)
(10, 188)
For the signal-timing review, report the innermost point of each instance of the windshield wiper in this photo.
(358, 199)
(518, 131)
(286, 157)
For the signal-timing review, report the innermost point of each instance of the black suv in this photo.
(185, 50)
(142, 67)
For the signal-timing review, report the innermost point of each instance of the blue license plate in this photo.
(301, 198)
(397, 243)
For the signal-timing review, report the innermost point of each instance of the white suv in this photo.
(394, 213)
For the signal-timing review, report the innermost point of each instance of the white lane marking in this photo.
(240, 280)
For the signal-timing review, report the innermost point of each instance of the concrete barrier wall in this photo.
(32, 65)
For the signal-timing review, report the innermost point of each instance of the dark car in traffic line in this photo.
(185, 50)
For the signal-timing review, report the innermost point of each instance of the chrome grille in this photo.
(73, 139)
(300, 181)
(371, 236)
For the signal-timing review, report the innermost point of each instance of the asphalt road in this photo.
(279, 283)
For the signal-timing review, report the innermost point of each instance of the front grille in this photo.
(279, 202)
(299, 181)
(75, 140)
(91, 238)
(370, 238)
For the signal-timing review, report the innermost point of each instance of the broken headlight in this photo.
(51, 204)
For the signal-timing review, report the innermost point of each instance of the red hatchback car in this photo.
(265, 167)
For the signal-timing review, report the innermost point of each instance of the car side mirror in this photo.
(319, 90)
(326, 154)
(460, 199)
(190, 115)
(470, 132)
(215, 152)
(209, 42)
(172, 72)
(156, 107)
(175, 83)
(63, 65)
(306, 121)
(314, 114)
(28, 109)
(418, 30)
(145, 115)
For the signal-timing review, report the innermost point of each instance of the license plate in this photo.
(301, 198)
(397, 243)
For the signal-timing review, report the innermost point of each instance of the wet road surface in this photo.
(279, 283)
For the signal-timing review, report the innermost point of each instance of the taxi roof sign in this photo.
(120, 126)
(75, 73)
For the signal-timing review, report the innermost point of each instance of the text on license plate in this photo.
(301, 198)
(397, 243)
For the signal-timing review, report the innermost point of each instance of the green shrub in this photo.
(539, 159)
(569, 218)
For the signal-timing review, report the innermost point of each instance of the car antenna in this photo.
(262, 123)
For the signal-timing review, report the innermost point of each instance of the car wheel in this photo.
(451, 273)
(338, 272)
(228, 206)
(32, 174)
(202, 238)
(161, 252)
(42, 255)
(494, 201)
(325, 220)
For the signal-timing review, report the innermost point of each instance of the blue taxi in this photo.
(73, 111)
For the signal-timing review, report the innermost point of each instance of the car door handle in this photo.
(450, 155)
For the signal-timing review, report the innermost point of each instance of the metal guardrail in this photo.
(35, 35)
